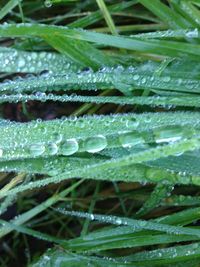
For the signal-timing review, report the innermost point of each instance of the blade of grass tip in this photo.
(26, 216)
(5, 10)
(107, 16)
(159, 193)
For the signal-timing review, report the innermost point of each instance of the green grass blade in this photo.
(159, 47)
(12, 60)
(165, 14)
(8, 8)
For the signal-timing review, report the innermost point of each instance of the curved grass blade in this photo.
(159, 47)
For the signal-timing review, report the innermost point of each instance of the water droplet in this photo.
(166, 79)
(69, 147)
(192, 33)
(21, 62)
(95, 144)
(37, 149)
(48, 3)
(130, 139)
(143, 80)
(118, 221)
(136, 77)
(1, 152)
(52, 149)
(132, 123)
(168, 135)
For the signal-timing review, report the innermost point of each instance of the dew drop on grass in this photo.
(95, 144)
(69, 147)
(130, 139)
(37, 149)
(132, 123)
(166, 79)
(168, 135)
(118, 221)
(48, 3)
(136, 77)
(21, 62)
(52, 149)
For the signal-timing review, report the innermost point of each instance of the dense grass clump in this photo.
(100, 133)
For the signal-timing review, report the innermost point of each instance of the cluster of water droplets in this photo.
(58, 144)
(33, 62)
(124, 79)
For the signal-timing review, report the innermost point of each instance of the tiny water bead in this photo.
(169, 135)
(132, 123)
(37, 149)
(95, 144)
(130, 139)
(69, 147)
(48, 3)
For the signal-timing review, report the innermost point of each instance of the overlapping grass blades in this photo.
(150, 136)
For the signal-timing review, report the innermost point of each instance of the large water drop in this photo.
(69, 147)
(130, 139)
(95, 144)
(37, 149)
